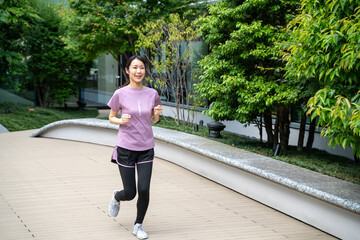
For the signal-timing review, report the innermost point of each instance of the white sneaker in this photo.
(114, 205)
(139, 231)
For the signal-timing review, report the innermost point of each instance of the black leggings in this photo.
(129, 192)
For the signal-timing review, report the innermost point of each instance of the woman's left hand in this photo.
(157, 110)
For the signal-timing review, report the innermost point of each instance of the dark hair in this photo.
(132, 58)
(129, 61)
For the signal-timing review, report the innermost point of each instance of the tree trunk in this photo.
(268, 126)
(357, 160)
(310, 140)
(276, 128)
(261, 128)
(284, 128)
(41, 96)
(300, 145)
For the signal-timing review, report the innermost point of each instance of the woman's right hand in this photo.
(125, 118)
(114, 119)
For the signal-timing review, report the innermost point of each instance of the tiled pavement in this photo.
(58, 189)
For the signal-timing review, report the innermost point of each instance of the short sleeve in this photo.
(157, 99)
(114, 102)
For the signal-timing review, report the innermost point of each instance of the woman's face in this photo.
(136, 71)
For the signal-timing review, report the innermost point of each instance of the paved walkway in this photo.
(58, 189)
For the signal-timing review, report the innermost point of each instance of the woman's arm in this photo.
(156, 113)
(113, 118)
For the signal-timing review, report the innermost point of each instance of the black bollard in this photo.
(7, 111)
(196, 128)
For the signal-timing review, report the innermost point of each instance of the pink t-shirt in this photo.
(137, 134)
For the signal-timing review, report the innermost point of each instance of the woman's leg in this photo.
(144, 177)
(128, 179)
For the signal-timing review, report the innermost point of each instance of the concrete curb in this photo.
(3, 129)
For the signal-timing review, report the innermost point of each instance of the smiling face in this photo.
(136, 72)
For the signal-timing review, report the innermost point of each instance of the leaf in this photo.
(344, 143)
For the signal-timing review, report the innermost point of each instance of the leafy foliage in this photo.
(243, 74)
(326, 54)
(97, 27)
(339, 116)
(15, 18)
(167, 44)
(244, 61)
(326, 44)
(55, 72)
(33, 55)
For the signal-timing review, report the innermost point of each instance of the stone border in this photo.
(329, 189)
(3, 129)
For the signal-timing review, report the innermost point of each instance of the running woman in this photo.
(138, 106)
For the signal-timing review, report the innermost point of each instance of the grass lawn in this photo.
(25, 117)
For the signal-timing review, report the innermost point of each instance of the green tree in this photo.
(96, 27)
(168, 44)
(326, 54)
(243, 74)
(15, 18)
(340, 118)
(55, 72)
